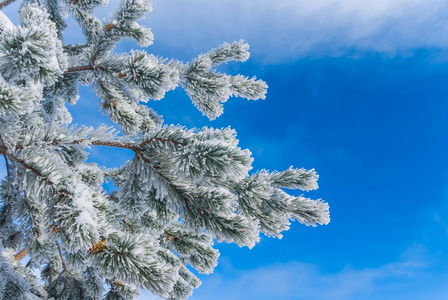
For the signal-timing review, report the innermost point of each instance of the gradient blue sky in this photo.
(357, 90)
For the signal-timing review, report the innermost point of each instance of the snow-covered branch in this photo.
(183, 190)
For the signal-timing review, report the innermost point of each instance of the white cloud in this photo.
(294, 280)
(291, 29)
(284, 30)
(412, 276)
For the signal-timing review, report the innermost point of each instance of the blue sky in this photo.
(357, 90)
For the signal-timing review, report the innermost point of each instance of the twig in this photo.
(91, 67)
(80, 68)
(129, 225)
(27, 166)
(160, 140)
(172, 237)
(136, 148)
(30, 264)
(62, 257)
(186, 200)
(122, 145)
(7, 166)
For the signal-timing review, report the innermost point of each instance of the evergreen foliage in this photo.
(183, 189)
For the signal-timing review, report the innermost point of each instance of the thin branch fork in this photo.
(138, 152)
(186, 199)
(128, 225)
(136, 148)
(7, 166)
(62, 257)
(173, 237)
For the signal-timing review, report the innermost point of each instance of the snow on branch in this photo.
(183, 190)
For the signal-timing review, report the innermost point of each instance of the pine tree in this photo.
(183, 189)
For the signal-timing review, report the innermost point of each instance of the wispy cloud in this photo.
(291, 29)
(296, 280)
(284, 30)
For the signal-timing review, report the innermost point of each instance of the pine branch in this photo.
(190, 185)
(5, 151)
(87, 142)
(79, 69)
(128, 225)
(130, 146)
(91, 67)
(173, 237)
(110, 144)
(30, 264)
(158, 173)
(7, 166)
(62, 257)
(5, 3)
(160, 140)
(186, 199)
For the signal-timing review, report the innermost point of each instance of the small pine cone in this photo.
(55, 228)
(37, 232)
(109, 27)
(98, 247)
(121, 75)
(21, 254)
(169, 238)
(110, 104)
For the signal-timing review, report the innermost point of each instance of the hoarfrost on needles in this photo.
(182, 190)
